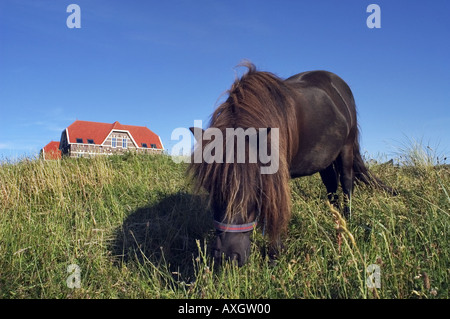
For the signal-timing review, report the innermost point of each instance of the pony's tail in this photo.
(363, 175)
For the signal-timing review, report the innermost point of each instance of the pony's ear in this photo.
(195, 129)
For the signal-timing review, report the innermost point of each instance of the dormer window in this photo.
(90, 141)
(79, 140)
(153, 145)
(144, 145)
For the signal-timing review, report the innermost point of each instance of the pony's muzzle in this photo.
(232, 246)
(219, 255)
(233, 257)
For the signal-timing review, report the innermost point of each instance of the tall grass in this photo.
(135, 230)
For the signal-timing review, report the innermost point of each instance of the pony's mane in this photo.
(259, 100)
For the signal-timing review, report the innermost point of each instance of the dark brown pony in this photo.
(315, 115)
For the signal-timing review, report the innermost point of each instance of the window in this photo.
(79, 140)
(144, 145)
(90, 141)
(114, 142)
(153, 145)
(124, 143)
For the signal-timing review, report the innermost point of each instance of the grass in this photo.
(134, 228)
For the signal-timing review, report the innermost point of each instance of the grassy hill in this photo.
(135, 230)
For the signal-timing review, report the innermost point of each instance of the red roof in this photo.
(51, 151)
(100, 131)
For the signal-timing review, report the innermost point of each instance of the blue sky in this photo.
(164, 64)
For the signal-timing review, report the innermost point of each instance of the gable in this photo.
(120, 135)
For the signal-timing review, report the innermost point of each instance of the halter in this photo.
(234, 228)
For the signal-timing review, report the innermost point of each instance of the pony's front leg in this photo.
(275, 248)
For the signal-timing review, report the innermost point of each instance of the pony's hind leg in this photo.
(330, 178)
(345, 165)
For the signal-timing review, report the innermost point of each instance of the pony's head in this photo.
(235, 192)
(233, 235)
(239, 193)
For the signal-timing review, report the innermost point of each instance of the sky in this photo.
(164, 64)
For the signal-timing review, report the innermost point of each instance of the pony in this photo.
(314, 115)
